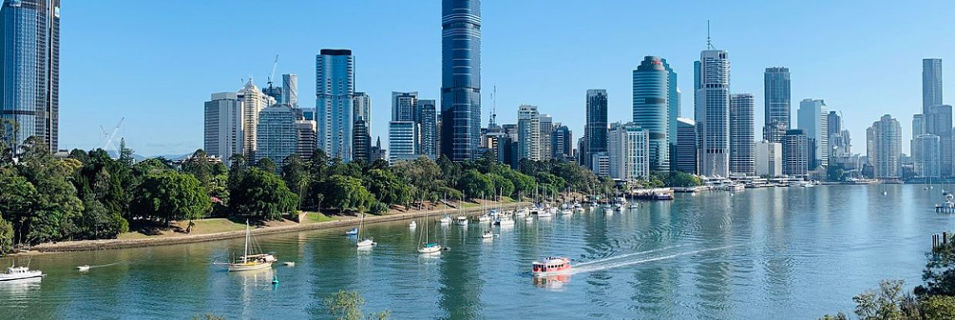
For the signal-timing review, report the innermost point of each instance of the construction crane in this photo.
(274, 66)
(108, 137)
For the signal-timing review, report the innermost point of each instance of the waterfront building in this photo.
(795, 153)
(361, 108)
(460, 78)
(628, 147)
(742, 156)
(426, 118)
(813, 121)
(253, 102)
(769, 159)
(595, 130)
(562, 142)
(601, 163)
(528, 128)
(686, 151)
(222, 129)
(361, 141)
(651, 91)
(30, 70)
(401, 141)
(931, 84)
(546, 135)
(884, 147)
(938, 121)
(334, 93)
(712, 112)
(925, 155)
(276, 133)
(777, 103)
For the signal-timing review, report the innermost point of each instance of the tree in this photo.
(347, 305)
(295, 175)
(502, 186)
(267, 165)
(167, 196)
(262, 195)
(886, 302)
(6, 236)
(17, 198)
(56, 203)
(939, 272)
(388, 187)
(475, 184)
(346, 193)
(682, 179)
(200, 166)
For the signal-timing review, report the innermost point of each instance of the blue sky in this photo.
(156, 62)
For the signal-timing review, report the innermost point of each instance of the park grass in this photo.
(316, 217)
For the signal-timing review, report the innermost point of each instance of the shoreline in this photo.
(110, 244)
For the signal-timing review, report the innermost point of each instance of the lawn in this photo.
(314, 217)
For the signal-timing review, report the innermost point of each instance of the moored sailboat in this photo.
(251, 261)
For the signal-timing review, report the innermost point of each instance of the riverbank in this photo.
(284, 226)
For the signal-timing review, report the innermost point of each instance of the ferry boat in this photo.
(19, 273)
(249, 261)
(551, 266)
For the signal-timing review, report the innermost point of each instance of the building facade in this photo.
(361, 108)
(938, 121)
(651, 91)
(277, 133)
(528, 131)
(361, 141)
(307, 137)
(426, 119)
(885, 147)
(628, 147)
(460, 79)
(686, 152)
(222, 129)
(769, 159)
(546, 137)
(595, 130)
(401, 141)
(563, 143)
(334, 94)
(931, 83)
(813, 122)
(290, 89)
(925, 155)
(253, 102)
(712, 112)
(777, 101)
(742, 156)
(795, 147)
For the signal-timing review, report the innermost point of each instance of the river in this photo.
(783, 253)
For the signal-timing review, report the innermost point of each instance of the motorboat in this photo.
(461, 220)
(544, 213)
(551, 266)
(19, 273)
(289, 263)
(83, 268)
(487, 235)
(251, 261)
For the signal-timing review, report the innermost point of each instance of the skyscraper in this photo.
(885, 145)
(562, 143)
(290, 89)
(925, 155)
(546, 134)
(813, 122)
(628, 147)
(931, 84)
(651, 91)
(401, 141)
(777, 101)
(460, 78)
(742, 156)
(30, 73)
(938, 121)
(686, 145)
(307, 140)
(673, 111)
(528, 133)
(712, 112)
(918, 124)
(427, 128)
(595, 130)
(361, 141)
(795, 145)
(404, 106)
(277, 133)
(222, 129)
(253, 102)
(334, 93)
(361, 109)
(769, 159)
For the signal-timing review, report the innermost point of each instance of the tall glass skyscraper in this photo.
(931, 84)
(528, 133)
(742, 155)
(427, 128)
(30, 76)
(361, 109)
(460, 79)
(673, 111)
(651, 91)
(334, 94)
(595, 130)
(712, 111)
(777, 101)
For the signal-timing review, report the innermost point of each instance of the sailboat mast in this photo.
(245, 256)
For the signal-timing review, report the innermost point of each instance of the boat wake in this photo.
(611, 263)
(109, 264)
(629, 255)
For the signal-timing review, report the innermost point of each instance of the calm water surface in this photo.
(793, 253)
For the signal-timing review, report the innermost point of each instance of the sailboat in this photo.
(427, 247)
(363, 243)
(249, 261)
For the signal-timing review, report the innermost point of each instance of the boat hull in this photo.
(239, 267)
(26, 275)
(430, 250)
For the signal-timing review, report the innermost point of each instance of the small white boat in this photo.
(412, 225)
(83, 268)
(522, 212)
(633, 205)
(430, 248)
(461, 220)
(19, 273)
(544, 213)
(367, 243)
(566, 212)
(289, 263)
(487, 235)
(484, 218)
(579, 210)
(504, 222)
(445, 220)
(529, 219)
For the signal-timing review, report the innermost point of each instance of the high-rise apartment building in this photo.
(686, 153)
(931, 83)
(742, 156)
(253, 102)
(918, 124)
(777, 102)
(361, 141)
(290, 89)
(651, 92)
(673, 111)
(628, 146)
(401, 141)
(404, 106)
(307, 137)
(769, 159)
(276, 133)
(334, 94)
(30, 70)
(712, 112)
(546, 135)
(426, 119)
(925, 155)
(528, 132)
(813, 121)
(222, 129)
(885, 147)
(795, 145)
(595, 130)
(361, 109)
(563, 142)
(460, 79)
(938, 121)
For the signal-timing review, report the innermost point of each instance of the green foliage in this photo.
(886, 302)
(474, 184)
(262, 195)
(267, 165)
(682, 179)
(347, 194)
(347, 305)
(296, 176)
(388, 187)
(200, 166)
(6, 236)
(168, 196)
(938, 307)
(939, 272)
(501, 185)
(838, 316)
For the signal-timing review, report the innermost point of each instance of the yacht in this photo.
(427, 245)
(484, 218)
(251, 261)
(18, 273)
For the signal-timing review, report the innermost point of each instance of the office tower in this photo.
(813, 122)
(546, 134)
(884, 144)
(712, 112)
(222, 131)
(403, 106)
(601, 163)
(673, 112)
(563, 143)
(528, 133)
(776, 101)
(401, 141)
(595, 130)
(651, 91)
(427, 128)
(925, 155)
(938, 121)
(307, 138)
(361, 141)
(931, 84)
(361, 109)
(769, 159)
(795, 146)
(276, 93)
(628, 146)
(334, 94)
(290, 89)
(253, 102)
(30, 76)
(918, 124)
(460, 78)
(834, 123)
(742, 156)
(377, 153)
(276, 133)
(686, 152)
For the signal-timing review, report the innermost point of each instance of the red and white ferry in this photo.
(551, 266)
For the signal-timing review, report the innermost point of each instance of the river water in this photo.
(784, 253)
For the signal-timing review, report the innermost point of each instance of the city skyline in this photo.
(830, 76)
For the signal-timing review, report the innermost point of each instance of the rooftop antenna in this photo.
(709, 42)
